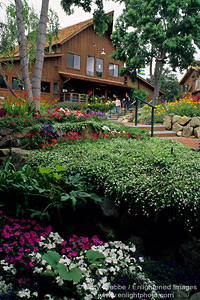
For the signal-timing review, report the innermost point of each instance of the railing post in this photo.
(152, 121)
(136, 111)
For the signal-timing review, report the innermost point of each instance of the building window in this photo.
(16, 84)
(113, 70)
(99, 67)
(55, 88)
(2, 83)
(73, 61)
(196, 83)
(45, 87)
(90, 66)
(185, 88)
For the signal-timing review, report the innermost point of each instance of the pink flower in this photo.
(63, 243)
(31, 264)
(27, 235)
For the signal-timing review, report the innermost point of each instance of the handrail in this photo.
(152, 112)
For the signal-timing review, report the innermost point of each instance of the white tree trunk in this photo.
(22, 49)
(158, 71)
(39, 60)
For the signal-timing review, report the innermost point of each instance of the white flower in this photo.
(59, 281)
(106, 286)
(35, 294)
(103, 279)
(131, 268)
(141, 259)
(24, 293)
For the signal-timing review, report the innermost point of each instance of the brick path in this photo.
(193, 143)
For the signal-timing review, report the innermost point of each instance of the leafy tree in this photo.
(33, 90)
(22, 25)
(164, 30)
(169, 84)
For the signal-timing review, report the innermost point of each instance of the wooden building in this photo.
(78, 63)
(191, 82)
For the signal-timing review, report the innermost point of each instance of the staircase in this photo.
(159, 130)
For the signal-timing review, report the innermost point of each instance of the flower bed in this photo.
(36, 263)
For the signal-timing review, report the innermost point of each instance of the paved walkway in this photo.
(193, 143)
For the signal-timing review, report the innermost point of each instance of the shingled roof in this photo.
(68, 32)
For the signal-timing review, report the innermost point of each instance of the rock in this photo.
(168, 122)
(9, 142)
(179, 133)
(180, 292)
(195, 122)
(4, 152)
(5, 131)
(139, 244)
(175, 118)
(190, 253)
(187, 131)
(87, 131)
(19, 157)
(177, 127)
(197, 132)
(184, 120)
(195, 297)
(108, 207)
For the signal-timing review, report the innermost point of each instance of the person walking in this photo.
(117, 105)
(127, 102)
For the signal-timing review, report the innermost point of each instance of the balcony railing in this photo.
(74, 97)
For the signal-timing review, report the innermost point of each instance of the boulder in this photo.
(197, 132)
(190, 253)
(177, 127)
(19, 157)
(87, 131)
(4, 152)
(195, 122)
(195, 296)
(5, 131)
(168, 122)
(187, 131)
(6, 142)
(175, 118)
(109, 208)
(179, 133)
(184, 120)
(180, 292)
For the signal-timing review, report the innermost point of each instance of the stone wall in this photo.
(183, 126)
(10, 147)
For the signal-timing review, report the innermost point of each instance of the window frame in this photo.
(100, 59)
(114, 65)
(72, 66)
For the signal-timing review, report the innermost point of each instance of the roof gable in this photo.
(68, 32)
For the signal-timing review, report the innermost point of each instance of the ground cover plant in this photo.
(151, 181)
(187, 106)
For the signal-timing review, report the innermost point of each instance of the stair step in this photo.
(166, 133)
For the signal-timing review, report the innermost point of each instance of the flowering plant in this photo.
(30, 255)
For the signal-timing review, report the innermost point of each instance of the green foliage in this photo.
(156, 29)
(152, 181)
(52, 258)
(9, 39)
(169, 84)
(95, 257)
(138, 93)
(69, 105)
(30, 191)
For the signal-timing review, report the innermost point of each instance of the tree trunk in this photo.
(7, 84)
(39, 60)
(22, 49)
(158, 71)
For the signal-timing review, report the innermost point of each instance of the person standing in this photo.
(127, 101)
(117, 105)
